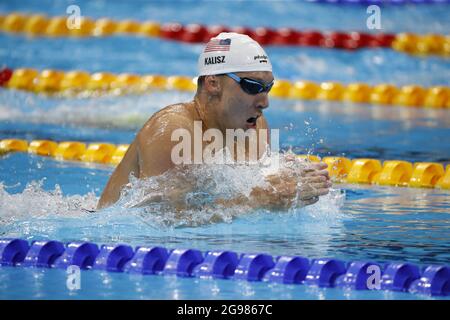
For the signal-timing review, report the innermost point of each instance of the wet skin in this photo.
(220, 103)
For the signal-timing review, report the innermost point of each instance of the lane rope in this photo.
(71, 83)
(35, 25)
(397, 173)
(430, 280)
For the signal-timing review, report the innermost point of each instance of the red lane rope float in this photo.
(195, 33)
(40, 25)
(5, 75)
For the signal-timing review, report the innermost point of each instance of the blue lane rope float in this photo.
(432, 280)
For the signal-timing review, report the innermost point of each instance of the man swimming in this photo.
(235, 77)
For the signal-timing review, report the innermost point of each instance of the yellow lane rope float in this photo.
(73, 82)
(342, 170)
(41, 25)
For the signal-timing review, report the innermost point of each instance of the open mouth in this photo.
(252, 120)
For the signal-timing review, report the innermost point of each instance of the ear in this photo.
(213, 84)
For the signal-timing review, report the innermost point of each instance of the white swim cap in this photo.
(232, 52)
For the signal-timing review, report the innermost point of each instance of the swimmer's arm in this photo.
(119, 177)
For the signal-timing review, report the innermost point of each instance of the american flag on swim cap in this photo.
(218, 45)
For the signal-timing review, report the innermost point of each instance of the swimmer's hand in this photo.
(314, 182)
(288, 188)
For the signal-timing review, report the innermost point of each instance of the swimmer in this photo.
(235, 77)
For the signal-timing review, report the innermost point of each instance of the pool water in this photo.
(42, 198)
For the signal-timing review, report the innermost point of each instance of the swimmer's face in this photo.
(238, 109)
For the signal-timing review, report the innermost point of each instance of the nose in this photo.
(263, 101)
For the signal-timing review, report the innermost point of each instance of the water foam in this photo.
(147, 207)
(200, 194)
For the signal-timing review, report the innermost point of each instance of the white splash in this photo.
(201, 194)
(149, 206)
(36, 202)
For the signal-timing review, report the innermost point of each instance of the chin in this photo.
(241, 126)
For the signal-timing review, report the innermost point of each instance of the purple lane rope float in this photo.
(432, 280)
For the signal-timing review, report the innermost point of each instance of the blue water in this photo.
(41, 198)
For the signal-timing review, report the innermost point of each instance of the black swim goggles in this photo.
(251, 86)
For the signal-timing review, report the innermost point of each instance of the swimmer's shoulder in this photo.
(180, 115)
(178, 109)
